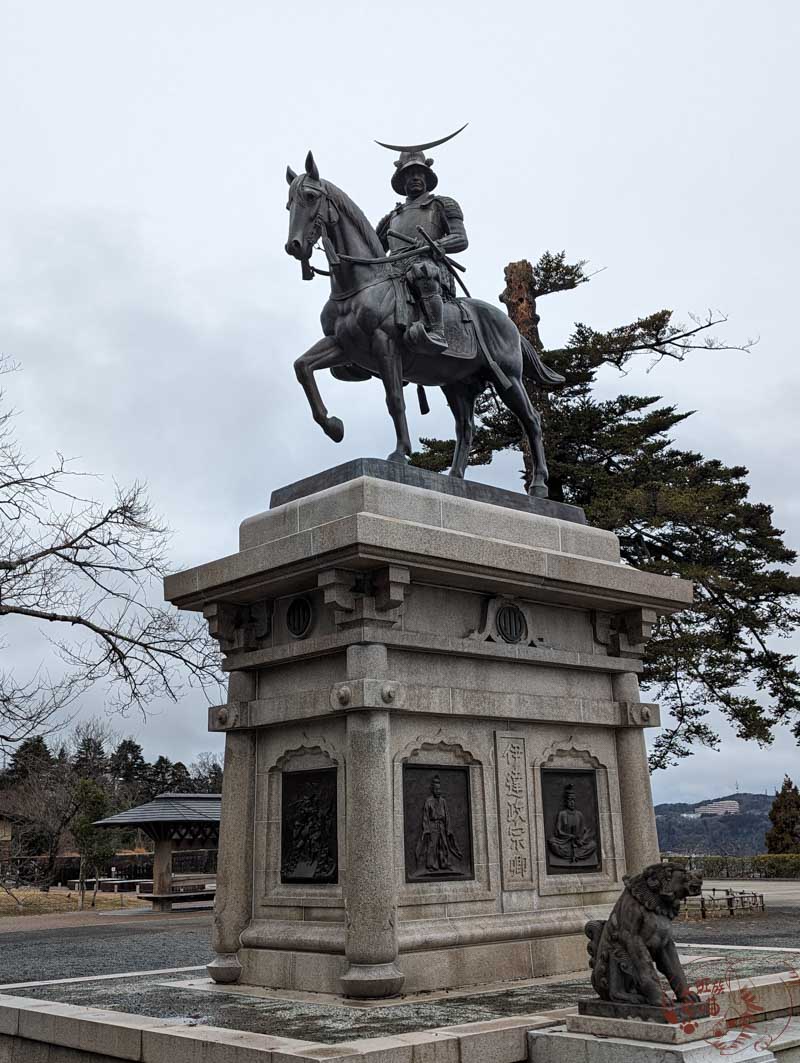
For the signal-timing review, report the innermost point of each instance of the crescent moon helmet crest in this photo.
(413, 148)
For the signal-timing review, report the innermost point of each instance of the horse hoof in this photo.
(334, 429)
(399, 456)
(539, 491)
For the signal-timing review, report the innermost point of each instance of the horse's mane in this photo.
(345, 205)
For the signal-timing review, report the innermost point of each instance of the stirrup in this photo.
(420, 341)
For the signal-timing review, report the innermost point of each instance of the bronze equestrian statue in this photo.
(395, 317)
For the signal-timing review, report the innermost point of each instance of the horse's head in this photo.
(308, 211)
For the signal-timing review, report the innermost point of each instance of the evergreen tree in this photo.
(29, 758)
(675, 512)
(784, 834)
(160, 777)
(127, 764)
(180, 779)
(89, 760)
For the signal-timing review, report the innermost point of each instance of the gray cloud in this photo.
(144, 286)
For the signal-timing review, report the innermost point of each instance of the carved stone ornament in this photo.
(299, 617)
(437, 823)
(246, 626)
(625, 634)
(572, 830)
(510, 621)
(356, 597)
(309, 847)
(629, 949)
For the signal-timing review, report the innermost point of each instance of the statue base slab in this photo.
(435, 762)
(669, 1013)
(562, 1046)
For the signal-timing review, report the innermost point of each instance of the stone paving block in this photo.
(89, 1029)
(494, 1041)
(9, 1014)
(377, 1050)
(211, 1044)
(432, 1046)
(558, 1046)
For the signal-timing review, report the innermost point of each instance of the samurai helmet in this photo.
(405, 162)
(414, 155)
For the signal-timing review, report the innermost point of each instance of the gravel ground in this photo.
(776, 928)
(165, 997)
(36, 955)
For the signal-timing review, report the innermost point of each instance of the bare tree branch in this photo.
(67, 561)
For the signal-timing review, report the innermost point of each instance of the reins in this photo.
(334, 257)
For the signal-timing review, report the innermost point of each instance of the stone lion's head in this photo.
(662, 887)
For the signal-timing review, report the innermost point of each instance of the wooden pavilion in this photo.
(174, 822)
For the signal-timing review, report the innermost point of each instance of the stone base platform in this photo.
(169, 1018)
(768, 1042)
(751, 1020)
(423, 970)
(435, 766)
(36, 1031)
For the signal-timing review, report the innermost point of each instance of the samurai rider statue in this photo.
(428, 279)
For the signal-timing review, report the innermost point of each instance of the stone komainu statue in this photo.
(627, 949)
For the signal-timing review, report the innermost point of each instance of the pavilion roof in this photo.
(172, 809)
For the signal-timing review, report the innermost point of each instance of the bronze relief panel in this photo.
(571, 820)
(309, 837)
(437, 823)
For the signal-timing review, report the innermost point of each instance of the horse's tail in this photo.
(533, 368)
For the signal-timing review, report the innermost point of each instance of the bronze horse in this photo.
(365, 319)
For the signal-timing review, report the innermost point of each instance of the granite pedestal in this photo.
(435, 765)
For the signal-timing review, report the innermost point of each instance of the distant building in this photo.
(718, 808)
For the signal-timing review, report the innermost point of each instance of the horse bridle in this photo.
(319, 227)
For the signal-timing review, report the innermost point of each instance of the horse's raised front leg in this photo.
(325, 354)
(461, 401)
(390, 367)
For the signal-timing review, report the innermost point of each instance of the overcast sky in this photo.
(145, 290)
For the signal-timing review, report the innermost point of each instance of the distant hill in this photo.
(736, 835)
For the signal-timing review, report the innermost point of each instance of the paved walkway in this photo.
(111, 916)
(76, 944)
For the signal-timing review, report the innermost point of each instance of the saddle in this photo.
(459, 330)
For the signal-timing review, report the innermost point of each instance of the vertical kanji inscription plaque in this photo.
(512, 807)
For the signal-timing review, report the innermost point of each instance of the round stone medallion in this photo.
(298, 617)
(511, 625)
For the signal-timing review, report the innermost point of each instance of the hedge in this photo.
(766, 865)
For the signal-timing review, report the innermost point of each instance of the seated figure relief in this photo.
(572, 840)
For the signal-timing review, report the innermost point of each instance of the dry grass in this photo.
(60, 900)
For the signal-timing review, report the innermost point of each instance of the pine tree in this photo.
(180, 780)
(784, 834)
(89, 760)
(127, 765)
(29, 758)
(675, 512)
(160, 777)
